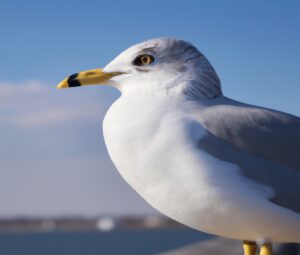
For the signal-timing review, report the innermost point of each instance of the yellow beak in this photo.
(95, 76)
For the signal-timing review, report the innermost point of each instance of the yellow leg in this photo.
(266, 249)
(250, 248)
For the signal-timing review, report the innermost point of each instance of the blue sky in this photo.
(52, 152)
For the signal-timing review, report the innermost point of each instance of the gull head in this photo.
(163, 65)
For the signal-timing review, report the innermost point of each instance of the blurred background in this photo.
(59, 191)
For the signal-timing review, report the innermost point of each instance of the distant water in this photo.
(125, 242)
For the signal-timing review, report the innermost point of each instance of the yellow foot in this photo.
(266, 249)
(250, 248)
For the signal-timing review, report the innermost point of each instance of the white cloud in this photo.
(37, 104)
(8, 88)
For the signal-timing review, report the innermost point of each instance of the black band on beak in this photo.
(72, 81)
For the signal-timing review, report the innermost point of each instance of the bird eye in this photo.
(143, 60)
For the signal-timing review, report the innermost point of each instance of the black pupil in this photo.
(144, 59)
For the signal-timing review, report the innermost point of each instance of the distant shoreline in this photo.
(102, 223)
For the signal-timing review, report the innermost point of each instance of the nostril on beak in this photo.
(90, 73)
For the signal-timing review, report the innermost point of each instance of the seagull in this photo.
(209, 162)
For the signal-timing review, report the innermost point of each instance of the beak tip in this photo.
(62, 85)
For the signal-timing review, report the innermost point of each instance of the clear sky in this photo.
(52, 154)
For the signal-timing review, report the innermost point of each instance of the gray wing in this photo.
(262, 142)
(266, 133)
